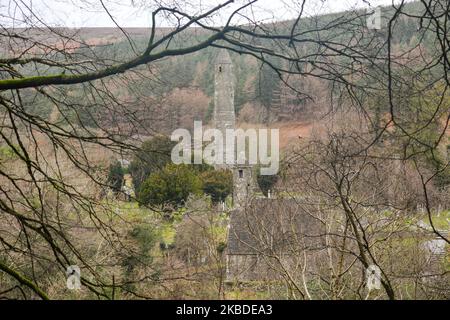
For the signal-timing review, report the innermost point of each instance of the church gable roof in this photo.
(272, 225)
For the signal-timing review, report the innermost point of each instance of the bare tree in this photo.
(44, 158)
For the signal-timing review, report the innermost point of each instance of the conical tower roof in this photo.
(223, 57)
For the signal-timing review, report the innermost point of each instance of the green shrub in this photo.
(172, 185)
(152, 157)
(218, 184)
(266, 182)
(115, 176)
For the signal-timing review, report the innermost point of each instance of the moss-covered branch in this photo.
(63, 79)
(23, 280)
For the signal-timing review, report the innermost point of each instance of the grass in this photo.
(6, 153)
(441, 221)
(132, 212)
(168, 233)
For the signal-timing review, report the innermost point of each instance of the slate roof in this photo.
(268, 225)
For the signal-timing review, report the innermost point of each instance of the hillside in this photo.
(181, 88)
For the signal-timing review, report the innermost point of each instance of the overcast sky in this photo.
(131, 13)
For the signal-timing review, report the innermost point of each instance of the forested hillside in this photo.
(180, 88)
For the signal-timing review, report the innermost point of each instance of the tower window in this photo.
(220, 68)
(241, 173)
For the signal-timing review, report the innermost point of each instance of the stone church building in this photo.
(264, 234)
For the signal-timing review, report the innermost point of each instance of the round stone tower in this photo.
(244, 182)
(224, 114)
